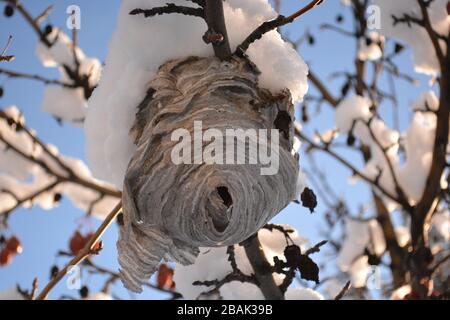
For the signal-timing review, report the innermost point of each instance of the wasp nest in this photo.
(172, 209)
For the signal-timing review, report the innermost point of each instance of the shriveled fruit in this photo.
(14, 245)
(309, 199)
(48, 29)
(9, 11)
(6, 257)
(84, 292)
(165, 277)
(76, 243)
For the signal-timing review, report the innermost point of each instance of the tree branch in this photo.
(274, 24)
(344, 290)
(3, 56)
(425, 206)
(217, 30)
(79, 80)
(62, 174)
(398, 189)
(30, 197)
(397, 253)
(88, 250)
(322, 89)
(346, 164)
(262, 268)
(31, 21)
(115, 276)
(14, 74)
(168, 9)
(431, 33)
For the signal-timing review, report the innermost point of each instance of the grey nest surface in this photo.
(170, 210)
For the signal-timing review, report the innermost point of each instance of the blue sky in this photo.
(45, 233)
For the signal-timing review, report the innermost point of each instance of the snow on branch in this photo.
(54, 175)
(180, 37)
(423, 25)
(274, 24)
(243, 272)
(344, 162)
(79, 75)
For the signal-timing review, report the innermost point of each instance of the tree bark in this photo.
(262, 268)
(419, 262)
(397, 253)
(215, 19)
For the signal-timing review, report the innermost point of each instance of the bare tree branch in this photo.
(217, 31)
(30, 197)
(262, 268)
(34, 23)
(344, 290)
(274, 24)
(88, 250)
(168, 9)
(346, 164)
(432, 33)
(3, 56)
(400, 192)
(322, 89)
(44, 15)
(14, 74)
(62, 173)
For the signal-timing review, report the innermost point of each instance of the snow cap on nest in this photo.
(141, 45)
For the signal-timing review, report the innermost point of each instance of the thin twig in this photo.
(31, 21)
(323, 90)
(344, 290)
(316, 248)
(115, 276)
(30, 197)
(44, 14)
(439, 264)
(217, 33)
(274, 24)
(3, 56)
(88, 250)
(46, 81)
(168, 9)
(68, 176)
(347, 164)
(398, 189)
(217, 284)
(74, 179)
(79, 80)
(34, 289)
(327, 26)
(431, 32)
(74, 45)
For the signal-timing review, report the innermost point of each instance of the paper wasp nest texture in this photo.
(170, 210)
(141, 45)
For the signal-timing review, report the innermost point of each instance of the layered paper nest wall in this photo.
(171, 210)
